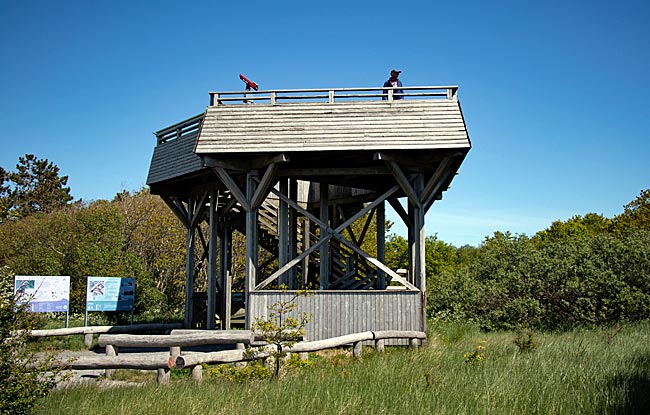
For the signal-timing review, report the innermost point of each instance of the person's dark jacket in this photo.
(397, 93)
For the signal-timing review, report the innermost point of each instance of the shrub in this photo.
(22, 384)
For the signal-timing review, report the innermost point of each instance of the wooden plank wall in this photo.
(321, 126)
(336, 313)
(174, 159)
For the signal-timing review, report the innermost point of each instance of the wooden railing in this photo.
(180, 130)
(163, 362)
(333, 95)
(89, 331)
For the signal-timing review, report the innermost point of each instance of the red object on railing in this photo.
(248, 82)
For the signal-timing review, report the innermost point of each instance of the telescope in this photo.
(249, 84)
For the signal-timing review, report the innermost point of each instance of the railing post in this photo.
(357, 349)
(110, 350)
(390, 95)
(452, 93)
(331, 96)
(273, 96)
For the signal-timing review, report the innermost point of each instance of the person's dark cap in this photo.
(395, 71)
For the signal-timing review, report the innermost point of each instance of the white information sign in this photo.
(43, 293)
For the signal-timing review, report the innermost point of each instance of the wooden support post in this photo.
(174, 351)
(240, 346)
(306, 244)
(251, 248)
(420, 250)
(283, 233)
(212, 262)
(226, 278)
(110, 350)
(293, 234)
(381, 244)
(379, 345)
(163, 376)
(411, 246)
(324, 249)
(88, 340)
(189, 266)
(197, 373)
(357, 349)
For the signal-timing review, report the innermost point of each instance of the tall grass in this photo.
(595, 371)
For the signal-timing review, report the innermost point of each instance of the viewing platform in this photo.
(293, 171)
(311, 129)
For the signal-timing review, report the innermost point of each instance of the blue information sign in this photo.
(110, 294)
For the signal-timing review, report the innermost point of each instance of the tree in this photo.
(578, 226)
(34, 187)
(636, 215)
(283, 328)
(4, 195)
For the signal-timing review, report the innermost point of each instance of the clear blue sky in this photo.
(555, 94)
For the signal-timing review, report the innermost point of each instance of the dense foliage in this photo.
(134, 235)
(587, 270)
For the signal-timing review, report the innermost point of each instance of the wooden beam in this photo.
(251, 248)
(230, 183)
(283, 232)
(296, 206)
(189, 271)
(179, 211)
(417, 158)
(403, 182)
(198, 210)
(381, 244)
(263, 186)
(324, 227)
(293, 262)
(399, 209)
(212, 262)
(338, 171)
(367, 208)
(362, 237)
(376, 263)
(244, 164)
(434, 183)
(349, 228)
(293, 233)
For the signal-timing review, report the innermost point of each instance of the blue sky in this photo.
(554, 93)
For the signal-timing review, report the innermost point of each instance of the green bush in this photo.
(554, 283)
(23, 380)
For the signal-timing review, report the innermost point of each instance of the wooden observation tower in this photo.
(291, 170)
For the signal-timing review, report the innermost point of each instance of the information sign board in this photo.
(110, 294)
(43, 293)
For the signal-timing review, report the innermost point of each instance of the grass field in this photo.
(595, 371)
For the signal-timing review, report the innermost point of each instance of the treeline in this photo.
(134, 235)
(587, 270)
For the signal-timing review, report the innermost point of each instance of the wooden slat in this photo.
(338, 313)
(340, 126)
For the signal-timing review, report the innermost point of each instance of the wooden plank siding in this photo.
(175, 158)
(336, 313)
(310, 126)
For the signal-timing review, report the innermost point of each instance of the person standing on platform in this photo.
(394, 82)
